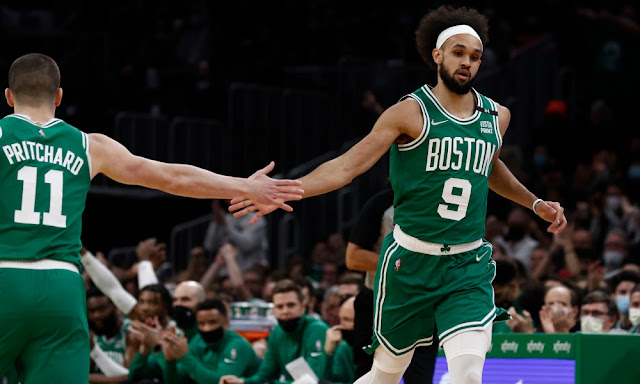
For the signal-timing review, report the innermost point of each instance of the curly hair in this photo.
(436, 21)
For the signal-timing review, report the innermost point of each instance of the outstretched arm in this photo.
(116, 162)
(404, 118)
(505, 184)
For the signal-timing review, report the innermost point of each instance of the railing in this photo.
(300, 128)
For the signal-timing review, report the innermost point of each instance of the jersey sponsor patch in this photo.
(486, 127)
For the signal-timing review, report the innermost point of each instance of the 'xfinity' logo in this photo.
(509, 346)
(535, 346)
(562, 347)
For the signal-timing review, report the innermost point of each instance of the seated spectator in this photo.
(560, 310)
(296, 335)
(338, 346)
(108, 329)
(309, 297)
(507, 293)
(349, 285)
(154, 304)
(598, 314)
(214, 352)
(186, 298)
(517, 242)
(616, 249)
(330, 306)
(621, 285)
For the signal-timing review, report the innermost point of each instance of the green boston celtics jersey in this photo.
(115, 346)
(440, 179)
(44, 180)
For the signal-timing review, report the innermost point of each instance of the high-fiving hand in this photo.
(266, 195)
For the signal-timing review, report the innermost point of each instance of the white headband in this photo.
(456, 30)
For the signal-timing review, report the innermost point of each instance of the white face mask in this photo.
(559, 308)
(634, 316)
(590, 324)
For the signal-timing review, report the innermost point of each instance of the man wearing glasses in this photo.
(599, 314)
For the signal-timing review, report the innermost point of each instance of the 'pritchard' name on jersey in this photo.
(440, 179)
(44, 180)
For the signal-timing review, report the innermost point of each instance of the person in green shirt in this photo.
(338, 346)
(46, 169)
(109, 338)
(186, 298)
(507, 296)
(296, 335)
(154, 303)
(212, 353)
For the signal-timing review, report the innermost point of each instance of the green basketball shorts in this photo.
(449, 285)
(44, 336)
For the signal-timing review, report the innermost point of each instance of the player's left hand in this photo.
(552, 212)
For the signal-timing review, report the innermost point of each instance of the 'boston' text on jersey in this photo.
(460, 153)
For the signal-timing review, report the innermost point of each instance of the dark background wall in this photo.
(231, 86)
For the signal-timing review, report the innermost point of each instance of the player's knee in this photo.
(386, 361)
(475, 342)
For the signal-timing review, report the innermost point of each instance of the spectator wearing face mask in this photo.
(186, 298)
(560, 310)
(616, 251)
(296, 335)
(214, 352)
(621, 285)
(634, 309)
(599, 313)
(338, 346)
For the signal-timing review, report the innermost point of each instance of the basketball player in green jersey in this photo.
(46, 166)
(445, 145)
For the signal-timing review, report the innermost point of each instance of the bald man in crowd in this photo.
(186, 298)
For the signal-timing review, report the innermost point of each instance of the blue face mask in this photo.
(622, 301)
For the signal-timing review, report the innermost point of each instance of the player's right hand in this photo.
(265, 191)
